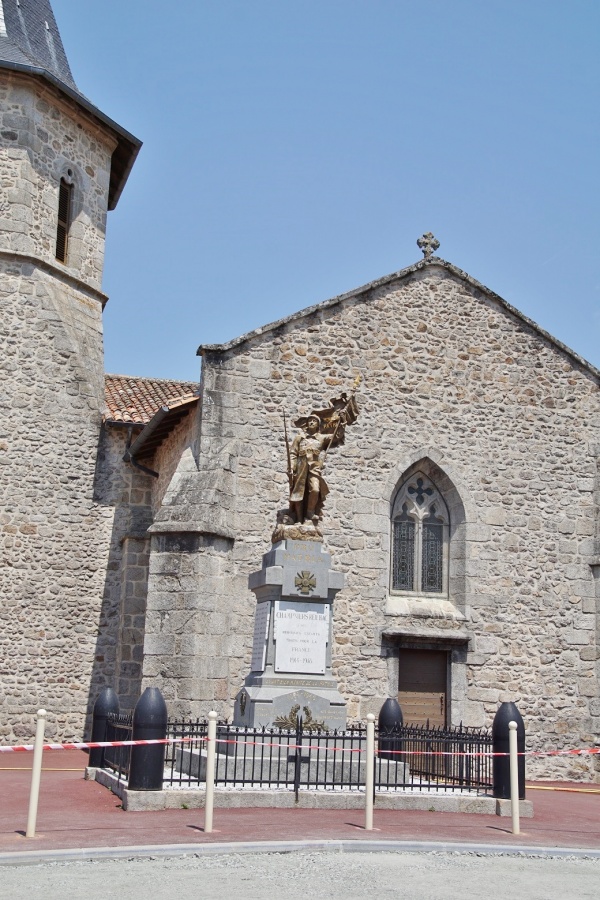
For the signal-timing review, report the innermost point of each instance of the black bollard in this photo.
(106, 704)
(149, 723)
(389, 724)
(507, 712)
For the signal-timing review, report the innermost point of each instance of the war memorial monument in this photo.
(295, 590)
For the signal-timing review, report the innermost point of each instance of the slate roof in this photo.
(135, 401)
(31, 37)
(30, 42)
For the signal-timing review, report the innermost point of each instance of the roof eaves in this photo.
(307, 311)
(121, 423)
(128, 145)
(204, 349)
(176, 408)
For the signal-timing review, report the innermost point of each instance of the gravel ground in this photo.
(308, 875)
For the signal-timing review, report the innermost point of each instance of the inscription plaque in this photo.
(301, 632)
(261, 633)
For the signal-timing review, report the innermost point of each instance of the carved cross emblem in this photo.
(428, 244)
(305, 582)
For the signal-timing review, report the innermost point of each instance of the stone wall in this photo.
(173, 457)
(127, 493)
(191, 650)
(457, 385)
(54, 537)
(42, 135)
(191, 643)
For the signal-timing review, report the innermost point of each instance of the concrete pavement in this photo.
(76, 815)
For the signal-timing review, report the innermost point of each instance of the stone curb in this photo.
(280, 798)
(39, 857)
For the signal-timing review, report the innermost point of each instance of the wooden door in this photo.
(422, 686)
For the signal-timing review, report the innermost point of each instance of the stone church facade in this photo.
(463, 507)
(462, 399)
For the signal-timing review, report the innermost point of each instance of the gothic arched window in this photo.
(420, 529)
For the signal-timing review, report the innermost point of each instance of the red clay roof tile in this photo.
(135, 400)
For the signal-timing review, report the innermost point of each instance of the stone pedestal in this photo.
(291, 658)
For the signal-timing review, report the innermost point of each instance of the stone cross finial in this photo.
(428, 244)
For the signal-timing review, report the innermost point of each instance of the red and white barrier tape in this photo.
(91, 745)
(202, 740)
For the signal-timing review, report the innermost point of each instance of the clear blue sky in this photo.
(296, 150)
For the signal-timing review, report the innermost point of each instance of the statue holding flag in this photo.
(295, 589)
(322, 429)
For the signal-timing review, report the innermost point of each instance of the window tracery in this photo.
(420, 533)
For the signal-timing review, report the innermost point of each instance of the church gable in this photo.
(445, 363)
(429, 344)
(431, 267)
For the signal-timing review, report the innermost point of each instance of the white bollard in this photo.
(370, 772)
(36, 772)
(514, 776)
(211, 750)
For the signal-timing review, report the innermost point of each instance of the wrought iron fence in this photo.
(451, 759)
(412, 758)
(119, 727)
(185, 762)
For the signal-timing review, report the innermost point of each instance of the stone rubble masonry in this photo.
(457, 386)
(173, 460)
(188, 582)
(54, 536)
(42, 135)
(128, 492)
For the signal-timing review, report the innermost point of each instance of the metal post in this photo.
(149, 723)
(298, 757)
(390, 725)
(36, 772)
(514, 776)
(107, 703)
(507, 712)
(370, 773)
(211, 750)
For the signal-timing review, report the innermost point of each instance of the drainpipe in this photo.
(127, 457)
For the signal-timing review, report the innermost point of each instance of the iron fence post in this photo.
(298, 757)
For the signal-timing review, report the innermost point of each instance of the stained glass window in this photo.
(403, 575)
(432, 557)
(420, 532)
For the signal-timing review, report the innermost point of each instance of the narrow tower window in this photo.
(64, 219)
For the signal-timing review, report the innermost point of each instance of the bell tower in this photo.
(63, 165)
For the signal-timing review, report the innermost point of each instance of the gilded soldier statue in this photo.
(308, 488)
(321, 430)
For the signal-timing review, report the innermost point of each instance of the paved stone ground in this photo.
(296, 876)
(74, 813)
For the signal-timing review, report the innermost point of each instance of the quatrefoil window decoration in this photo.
(420, 491)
